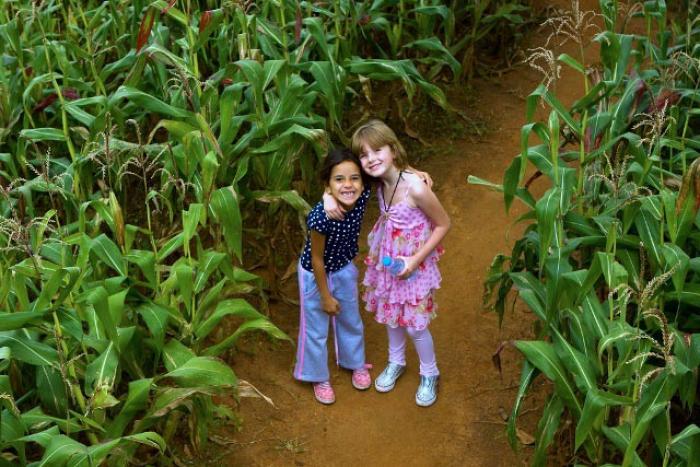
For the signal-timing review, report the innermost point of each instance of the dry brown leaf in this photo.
(245, 389)
(525, 438)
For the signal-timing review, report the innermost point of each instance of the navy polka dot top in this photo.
(341, 236)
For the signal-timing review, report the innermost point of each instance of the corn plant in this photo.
(607, 260)
(154, 155)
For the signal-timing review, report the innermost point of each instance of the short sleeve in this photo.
(317, 220)
(364, 197)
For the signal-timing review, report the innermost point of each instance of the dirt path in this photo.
(465, 426)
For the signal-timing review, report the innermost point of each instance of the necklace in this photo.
(387, 206)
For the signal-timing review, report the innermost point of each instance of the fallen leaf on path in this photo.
(525, 438)
(245, 389)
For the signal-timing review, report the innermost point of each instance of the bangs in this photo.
(373, 137)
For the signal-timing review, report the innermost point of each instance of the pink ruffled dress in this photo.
(401, 231)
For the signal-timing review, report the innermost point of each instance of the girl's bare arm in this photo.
(336, 212)
(318, 244)
(423, 197)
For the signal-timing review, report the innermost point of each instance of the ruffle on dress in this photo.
(401, 231)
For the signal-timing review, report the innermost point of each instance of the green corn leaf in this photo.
(170, 246)
(532, 300)
(648, 228)
(210, 168)
(527, 375)
(203, 371)
(43, 134)
(630, 261)
(18, 320)
(255, 75)
(572, 62)
(330, 80)
(136, 401)
(99, 299)
(148, 438)
(686, 443)
(580, 224)
(147, 102)
(315, 27)
(433, 45)
(543, 93)
(525, 280)
(591, 417)
(675, 257)
(547, 428)
(27, 350)
(383, 70)
(60, 450)
(620, 437)
(556, 265)
(175, 354)
(185, 282)
(156, 318)
(51, 390)
(582, 336)
(38, 80)
(621, 110)
(512, 178)
(208, 134)
(618, 332)
(19, 287)
(80, 114)
(230, 123)
(107, 251)
(207, 265)
(103, 370)
(613, 272)
(262, 324)
(212, 296)
(574, 361)
(640, 430)
(146, 261)
(175, 13)
(167, 400)
(236, 306)
(224, 205)
(542, 355)
(190, 219)
(690, 294)
(547, 209)
(42, 438)
(435, 93)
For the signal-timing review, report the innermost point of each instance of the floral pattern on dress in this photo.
(401, 231)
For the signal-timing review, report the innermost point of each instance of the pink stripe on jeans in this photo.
(302, 325)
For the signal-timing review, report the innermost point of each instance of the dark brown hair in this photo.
(337, 156)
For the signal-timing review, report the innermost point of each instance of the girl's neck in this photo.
(391, 176)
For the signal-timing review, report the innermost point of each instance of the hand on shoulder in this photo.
(417, 188)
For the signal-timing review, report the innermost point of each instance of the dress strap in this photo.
(380, 197)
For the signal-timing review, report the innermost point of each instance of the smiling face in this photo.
(376, 162)
(345, 183)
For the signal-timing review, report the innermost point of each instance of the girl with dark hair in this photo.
(328, 281)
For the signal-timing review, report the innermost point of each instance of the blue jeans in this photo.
(312, 348)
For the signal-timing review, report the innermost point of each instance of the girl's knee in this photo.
(417, 334)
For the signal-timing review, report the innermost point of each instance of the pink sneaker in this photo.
(324, 392)
(361, 379)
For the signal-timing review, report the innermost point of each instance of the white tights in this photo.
(422, 340)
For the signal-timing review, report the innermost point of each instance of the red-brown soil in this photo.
(466, 426)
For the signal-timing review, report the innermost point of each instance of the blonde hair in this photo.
(376, 134)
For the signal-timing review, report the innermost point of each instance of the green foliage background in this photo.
(608, 262)
(152, 153)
